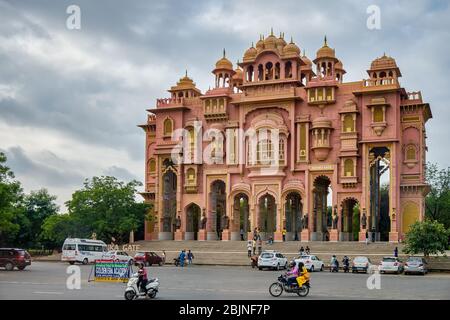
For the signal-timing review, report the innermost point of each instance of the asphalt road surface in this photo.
(47, 280)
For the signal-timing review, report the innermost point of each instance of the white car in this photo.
(272, 259)
(118, 256)
(391, 264)
(311, 262)
(361, 263)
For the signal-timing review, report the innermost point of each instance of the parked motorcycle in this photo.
(176, 262)
(346, 267)
(132, 291)
(277, 288)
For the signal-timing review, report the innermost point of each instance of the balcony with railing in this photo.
(169, 102)
(381, 82)
(413, 97)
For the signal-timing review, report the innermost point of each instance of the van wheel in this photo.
(85, 261)
(312, 268)
(9, 266)
(21, 268)
(321, 268)
(72, 262)
(160, 263)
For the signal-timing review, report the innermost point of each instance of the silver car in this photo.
(391, 264)
(361, 263)
(416, 265)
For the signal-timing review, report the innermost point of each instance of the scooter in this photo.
(346, 267)
(334, 267)
(132, 291)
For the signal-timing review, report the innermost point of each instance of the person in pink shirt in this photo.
(292, 274)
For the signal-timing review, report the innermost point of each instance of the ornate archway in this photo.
(241, 217)
(350, 224)
(293, 216)
(217, 212)
(169, 195)
(321, 216)
(267, 214)
(193, 216)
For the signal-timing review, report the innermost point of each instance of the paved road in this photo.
(47, 280)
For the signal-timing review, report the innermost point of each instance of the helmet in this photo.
(292, 264)
(300, 265)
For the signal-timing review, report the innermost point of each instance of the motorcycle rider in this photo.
(303, 275)
(346, 262)
(292, 274)
(334, 264)
(143, 278)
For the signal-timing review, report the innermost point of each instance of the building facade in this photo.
(284, 143)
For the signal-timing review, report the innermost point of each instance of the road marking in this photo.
(48, 292)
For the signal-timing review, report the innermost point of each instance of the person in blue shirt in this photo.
(182, 258)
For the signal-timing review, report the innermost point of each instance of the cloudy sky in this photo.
(70, 100)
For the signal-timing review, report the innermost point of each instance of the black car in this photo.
(11, 258)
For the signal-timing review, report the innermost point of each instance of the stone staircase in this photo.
(235, 252)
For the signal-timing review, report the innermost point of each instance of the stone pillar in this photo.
(278, 236)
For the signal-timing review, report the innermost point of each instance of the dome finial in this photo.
(224, 52)
(185, 74)
(271, 31)
(325, 41)
(292, 40)
(252, 45)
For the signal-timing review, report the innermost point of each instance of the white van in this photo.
(82, 250)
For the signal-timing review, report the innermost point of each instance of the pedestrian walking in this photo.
(307, 250)
(163, 256)
(249, 248)
(396, 252)
(284, 234)
(242, 234)
(302, 250)
(254, 246)
(190, 256)
(182, 257)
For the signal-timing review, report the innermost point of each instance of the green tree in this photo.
(107, 207)
(11, 209)
(438, 199)
(427, 237)
(55, 229)
(38, 205)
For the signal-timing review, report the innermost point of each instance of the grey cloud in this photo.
(58, 175)
(120, 173)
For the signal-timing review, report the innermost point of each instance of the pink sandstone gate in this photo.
(320, 137)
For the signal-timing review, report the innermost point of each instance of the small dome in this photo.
(291, 48)
(224, 63)
(270, 42)
(325, 51)
(383, 62)
(238, 74)
(339, 65)
(280, 41)
(260, 44)
(307, 61)
(251, 53)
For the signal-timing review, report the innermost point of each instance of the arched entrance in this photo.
(293, 216)
(193, 214)
(241, 216)
(321, 210)
(350, 220)
(217, 210)
(379, 221)
(169, 205)
(267, 216)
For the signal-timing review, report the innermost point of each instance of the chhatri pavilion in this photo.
(283, 144)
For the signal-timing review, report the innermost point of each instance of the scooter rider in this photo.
(346, 261)
(292, 274)
(334, 264)
(143, 278)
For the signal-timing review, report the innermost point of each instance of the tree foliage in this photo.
(438, 199)
(107, 207)
(11, 209)
(427, 237)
